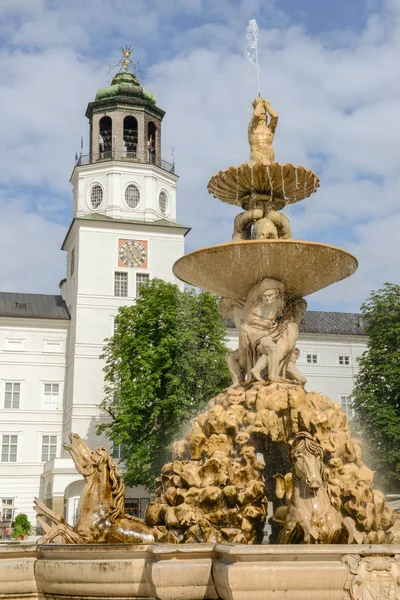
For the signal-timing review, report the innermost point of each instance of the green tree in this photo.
(21, 526)
(164, 362)
(377, 388)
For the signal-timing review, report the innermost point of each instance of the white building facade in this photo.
(123, 233)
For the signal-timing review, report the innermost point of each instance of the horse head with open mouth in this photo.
(101, 515)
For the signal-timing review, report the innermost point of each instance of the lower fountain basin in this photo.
(232, 269)
(285, 182)
(199, 571)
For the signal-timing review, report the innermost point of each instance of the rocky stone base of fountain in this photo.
(199, 572)
(235, 458)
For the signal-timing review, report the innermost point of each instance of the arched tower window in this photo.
(105, 137)
(130, 137)
(163, 203)
(151, 142)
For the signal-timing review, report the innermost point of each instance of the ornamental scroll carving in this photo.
(372, 577)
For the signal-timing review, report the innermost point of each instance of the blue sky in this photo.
(331, 70)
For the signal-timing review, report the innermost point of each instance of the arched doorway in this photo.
(130, 137)
(105, 137)
(151, 142)
(72, 495)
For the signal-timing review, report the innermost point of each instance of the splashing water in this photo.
(283, 183)
(271, 184)
(251, 49)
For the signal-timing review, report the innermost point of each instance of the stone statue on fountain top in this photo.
(262, 132)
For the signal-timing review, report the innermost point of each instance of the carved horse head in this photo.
(307, 456)
(98, 468)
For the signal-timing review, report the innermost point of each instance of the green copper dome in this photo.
(124, 84)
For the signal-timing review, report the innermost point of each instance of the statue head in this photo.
(269, 296)
(269, 289)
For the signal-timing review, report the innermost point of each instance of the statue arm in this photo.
(273, 114)
(282, 224)
(258, 110)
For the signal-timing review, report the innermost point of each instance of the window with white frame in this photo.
(7, 509)
(118, 451)
(132, 196)
(120, 284)
(141, 279)
(163, 202)
(12, 394)
(9, 444)
(49, 447)
(312, 359)
(96, 196)
(51, 396)
(347, 406)
(344, 359)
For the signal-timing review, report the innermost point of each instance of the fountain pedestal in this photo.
(199, 572)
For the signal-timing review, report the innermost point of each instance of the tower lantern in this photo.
(125, 122)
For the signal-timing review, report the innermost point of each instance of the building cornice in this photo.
(98, 220)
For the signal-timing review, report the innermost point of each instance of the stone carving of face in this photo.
(269, 296)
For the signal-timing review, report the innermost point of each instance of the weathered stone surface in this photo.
(222, 494)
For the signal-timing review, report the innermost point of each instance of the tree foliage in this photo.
(377, 389)
(164, 362)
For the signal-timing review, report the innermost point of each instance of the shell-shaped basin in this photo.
(232, 269)
(285, 183)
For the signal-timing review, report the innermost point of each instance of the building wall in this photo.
(94, 306)
(32, 353)
(114, 178)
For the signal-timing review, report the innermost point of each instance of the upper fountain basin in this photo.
(284, 183)
(232, 269)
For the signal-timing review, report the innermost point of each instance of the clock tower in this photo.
(123, 233)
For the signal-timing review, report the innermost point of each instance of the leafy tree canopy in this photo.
(164, 362)
(377, 389)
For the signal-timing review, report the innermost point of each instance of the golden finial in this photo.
(126, 60)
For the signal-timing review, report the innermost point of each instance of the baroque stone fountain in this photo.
(217, 488)
(264, 440)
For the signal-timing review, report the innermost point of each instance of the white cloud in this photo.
(337, 96)
(29, 249)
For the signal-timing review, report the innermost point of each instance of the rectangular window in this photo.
(72, 261)
(344, 359)
(7, 509)
(9, 448)
(51, 396)
(312, 359)
(118, 451)
(347, 406)
(141, 279)
(14, 344)
(12, 394)
(49, 447)
(52, 346)
(132, 506)
(121, 284)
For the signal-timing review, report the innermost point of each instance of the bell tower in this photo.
(123, 175)
(123, 233)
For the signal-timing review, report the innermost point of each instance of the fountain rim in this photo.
(232, 193)
(349, 264)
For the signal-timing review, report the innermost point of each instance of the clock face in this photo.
(132, 254)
